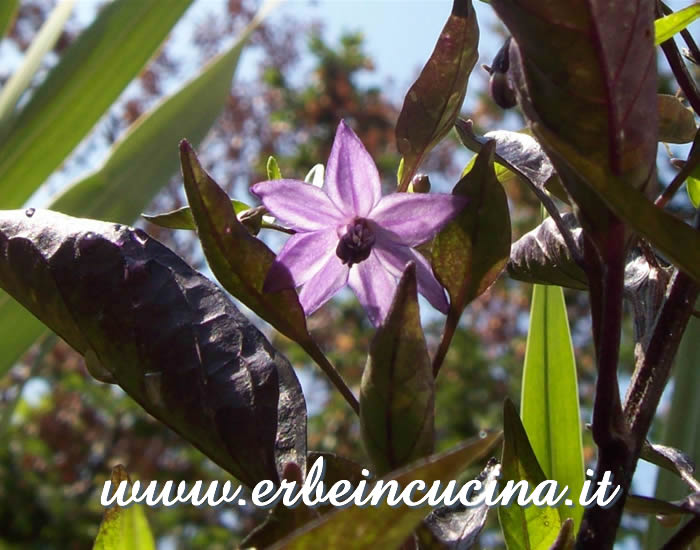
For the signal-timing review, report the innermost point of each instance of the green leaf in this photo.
(138, 167)
(77, 92)
(693, 187)
(8, 12)
(542, 256)
(397, 399)
(41, 44)
(384, 526)
(434, 100)
(273, 169)
(124, 528)
(472, 250)
(530, 528)
(601, 154)
(666, 27)
(676, 121)
(170, 337)
(549, 401)
(680, 426)
(182, 217)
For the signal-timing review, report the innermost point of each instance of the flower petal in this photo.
(374, 286)
(302, 256)
(328, 280)
(414, 218)
(299, 205)
(352, 180)
(394, 259)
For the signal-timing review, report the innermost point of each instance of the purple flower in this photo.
(347, 233)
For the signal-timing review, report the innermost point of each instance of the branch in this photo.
(686, 169)
(682, 539)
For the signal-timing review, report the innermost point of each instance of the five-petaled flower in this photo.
(347, 233)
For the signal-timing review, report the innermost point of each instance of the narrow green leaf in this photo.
(530, 528)
(680, 427)
(124, 528)
(549, 402)
(384, 526)
(8, 12)
(666, 27)
(77, 92)
(182, 217)
(273, 169)
(472, 250)
(42, 43)
(676, 121)
(434, 100)
(397, 399)
(138, 167)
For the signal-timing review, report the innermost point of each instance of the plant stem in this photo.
(447, 335)
(688, 167)
(687, 534)
(322, 361)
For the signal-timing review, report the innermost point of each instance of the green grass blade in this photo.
(44, 41)
(681, 427)
(77, 92)
(8, 11)
(549, 401)
(138, 167)
(666, 27)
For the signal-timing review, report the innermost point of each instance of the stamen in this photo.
(355, 246)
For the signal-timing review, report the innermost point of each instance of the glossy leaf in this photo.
(529, 528)
(8, 12)
(541, 256)
(138, 167)
(434, 100)
(41, 44)
(87, 80)
(457, 528)
(601, 154)
(384, 526)
(397, 396)
(676, 121)
(167, 335)
(124, 528)
(672, 460)
(666, 27)
(472, 250)
(549, 399)
(182, 217)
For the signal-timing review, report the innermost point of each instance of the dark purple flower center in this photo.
(355, 246)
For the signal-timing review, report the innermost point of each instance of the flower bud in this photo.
(420, 183)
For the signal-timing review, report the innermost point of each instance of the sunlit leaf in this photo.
(41, 44)
(666, 27)
(273, 169)
(434, 100)
(532, 527)
(693, 187)
(167, 335)
(397, 399)
(139, 166)
(87, 80)
(124, 528)
(549, 399)
(472, 250)
(676, 121)
(384, 526)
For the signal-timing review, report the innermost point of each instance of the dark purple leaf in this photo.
(433, 102)
(165, 333)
